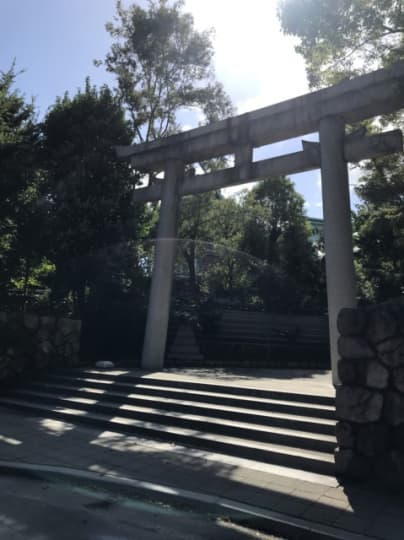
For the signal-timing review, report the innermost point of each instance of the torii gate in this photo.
(326, 111)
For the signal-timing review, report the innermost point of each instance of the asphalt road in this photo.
(32, 509)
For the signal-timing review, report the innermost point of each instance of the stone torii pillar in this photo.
(341, 282)
(164, 259)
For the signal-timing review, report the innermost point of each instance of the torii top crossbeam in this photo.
(326, 111)
(376, 93)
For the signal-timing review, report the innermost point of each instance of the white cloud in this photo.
(318, 179)
(255, 61)
(319, 204)
(355, 174)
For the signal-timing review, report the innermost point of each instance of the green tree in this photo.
(163, 65)
(379, 226)
(20, 178)
(342, 38)
(255, 244)
(277, 232)
(88, 192)
(228, 271)
(194, 227)
(210, 232)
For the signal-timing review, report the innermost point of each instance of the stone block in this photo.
(398, 356)
(347, 371)
(43, 334)
(19, 363)
(350, 465)
(398, 437)
(387, 351)
(397, 308)
(351, 321)
(390, 470)
(357, 404)
(376, 375)
(69, 326)
(31, 321)
(389, 345)
(46, 347)
(41, 360)
(71, 338)
(68, 350)
(58, 338)
(372, 439)
(394, 408)
(354, 348)
(48, 322)
(381, 325)
(15, 321)
(345, 434)
(398, 378)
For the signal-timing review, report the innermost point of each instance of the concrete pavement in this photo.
(44, 510)
(323, 505)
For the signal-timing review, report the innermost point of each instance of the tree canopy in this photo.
(163, 65)
(254, 248)
(338, 39)
(19, 182)
(342, 38)
(88, 191)
(277, 231)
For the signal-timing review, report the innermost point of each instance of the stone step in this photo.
(184, 340)
(248, 391)
(185, 348)
(264, 336)
(222, 357)
(257, 316)
(232, 428)
(264, 343)
(267, 404)
(185, 356)
(297, 458)
(264, 418)
(250, 324)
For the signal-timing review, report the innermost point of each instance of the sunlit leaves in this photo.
(162, 65)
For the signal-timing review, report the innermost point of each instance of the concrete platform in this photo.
(292, 380)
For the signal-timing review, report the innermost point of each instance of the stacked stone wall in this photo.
(370, 399)
(29, 342)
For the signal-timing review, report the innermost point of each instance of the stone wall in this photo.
(32, 342)
(370, 399)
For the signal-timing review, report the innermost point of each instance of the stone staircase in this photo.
(272, 427)
(248, 339)
(183, 348)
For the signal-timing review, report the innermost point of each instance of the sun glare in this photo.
(251, 53)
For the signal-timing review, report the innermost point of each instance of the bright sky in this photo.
(55, 42)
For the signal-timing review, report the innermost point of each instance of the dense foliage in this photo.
(71, 237)
(20, 181)
(88, 192)
(342, 38)
(162, 65)
(254, 249)
(339, 39)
